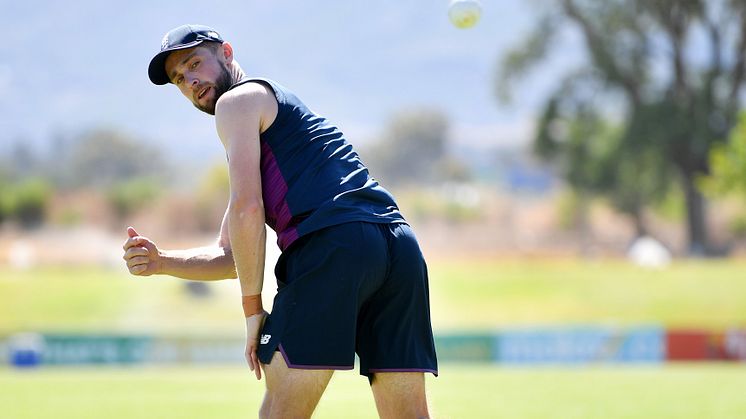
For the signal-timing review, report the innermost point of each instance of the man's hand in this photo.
(253, 328)
(141, 254)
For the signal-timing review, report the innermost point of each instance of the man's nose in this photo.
(194, 82)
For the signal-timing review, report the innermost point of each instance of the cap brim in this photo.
(157, 67)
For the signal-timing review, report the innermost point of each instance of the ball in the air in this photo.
(464, 13)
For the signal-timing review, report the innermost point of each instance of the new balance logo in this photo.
(264, 339)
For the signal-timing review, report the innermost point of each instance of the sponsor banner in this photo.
(201, 351)
(58, 349)
(735, 344)
(466, 347)
(581, 345)
(690, 345)
(577, 345)
(93, 349)
(703, 345)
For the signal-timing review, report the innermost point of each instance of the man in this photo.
(351, 277)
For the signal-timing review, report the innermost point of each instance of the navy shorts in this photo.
(352, 288)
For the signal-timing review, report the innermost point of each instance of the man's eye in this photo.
(179, 80)
(194, 65)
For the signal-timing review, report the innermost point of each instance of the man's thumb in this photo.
(131, 232)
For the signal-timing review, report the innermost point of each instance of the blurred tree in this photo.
(412, 149)
(212, 197)
(675, 68)
(102, 158)
(29, 201)
(127, 196)
(5, 196)
(728, 163)
(594, 156)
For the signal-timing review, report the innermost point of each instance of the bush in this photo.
(211, 197)
(737, 226)
(28, 202)
(127, 196)
(5, 201)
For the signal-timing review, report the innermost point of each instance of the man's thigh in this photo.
(292, 392)
(400, 394)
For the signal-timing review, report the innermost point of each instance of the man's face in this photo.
(201, 75)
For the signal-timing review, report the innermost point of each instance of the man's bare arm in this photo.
(207, 263)
(240, 115)
(238, 119)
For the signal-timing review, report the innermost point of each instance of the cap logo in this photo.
(213, 34)
(164, 42)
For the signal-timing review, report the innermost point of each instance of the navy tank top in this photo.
(312, 178)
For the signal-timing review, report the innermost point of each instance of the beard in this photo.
(221, 85)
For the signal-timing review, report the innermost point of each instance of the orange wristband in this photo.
(252, 304)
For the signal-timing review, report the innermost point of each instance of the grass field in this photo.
(474, 294)
(683, 391)
(467, 294)
(488, 293)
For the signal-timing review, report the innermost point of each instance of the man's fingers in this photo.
(253, 360)
(255, 364)
(131, 235)
(133, 241)
(131, 232)
(253, 328)
(135, 251)
(138, 260)
(138, 269)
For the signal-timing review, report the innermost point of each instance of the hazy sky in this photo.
(72, 65)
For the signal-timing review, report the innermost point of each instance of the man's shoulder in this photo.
(252, 95)
(247, 102)
(251, 91)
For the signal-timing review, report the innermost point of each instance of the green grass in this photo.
(110, 300)
(474, 294)
(485, 293)
(680, 391)
(466, 294)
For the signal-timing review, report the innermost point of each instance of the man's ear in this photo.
(227, 52)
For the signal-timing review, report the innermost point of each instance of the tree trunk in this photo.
(695, 214)
(640, 227)
(582, 221)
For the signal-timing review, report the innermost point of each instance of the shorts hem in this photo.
(375, 370)
(311, 367)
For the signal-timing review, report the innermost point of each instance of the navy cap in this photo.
(183, 37)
